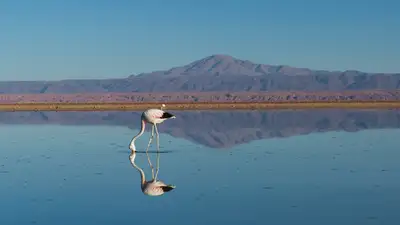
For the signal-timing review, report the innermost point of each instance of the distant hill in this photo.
(213, 74)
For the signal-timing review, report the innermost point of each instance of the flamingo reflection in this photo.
(152, 187)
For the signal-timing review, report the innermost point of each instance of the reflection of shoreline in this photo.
(240, 105)
(224, 129)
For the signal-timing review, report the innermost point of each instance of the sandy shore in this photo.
(190, 106)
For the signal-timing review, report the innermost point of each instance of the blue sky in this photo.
(54, 39)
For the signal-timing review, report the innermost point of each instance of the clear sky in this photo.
(54, 39)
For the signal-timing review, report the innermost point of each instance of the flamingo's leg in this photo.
(158, 152)
(147, 151)
(151, 138)
(158, 165)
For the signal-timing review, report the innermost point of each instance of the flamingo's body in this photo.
(156, 188)
(156, 116)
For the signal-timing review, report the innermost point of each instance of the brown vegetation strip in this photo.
(192, 106)
(199, 97)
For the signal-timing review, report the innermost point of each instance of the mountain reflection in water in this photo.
(225, 129)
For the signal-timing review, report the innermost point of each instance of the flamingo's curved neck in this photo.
(132, 157)
(132, 144)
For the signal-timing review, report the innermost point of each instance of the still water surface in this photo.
(257, 167)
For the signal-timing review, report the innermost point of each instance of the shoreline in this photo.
(118, 106)
(202, 97)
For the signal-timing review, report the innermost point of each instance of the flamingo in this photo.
(154, 117)
(152, 187)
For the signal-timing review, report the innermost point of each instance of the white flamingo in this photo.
(154, 117)
(152, 187)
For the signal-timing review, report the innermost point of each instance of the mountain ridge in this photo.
(243, 67)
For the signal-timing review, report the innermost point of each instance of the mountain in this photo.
(227, 65)
(226, 129)
(216, 73)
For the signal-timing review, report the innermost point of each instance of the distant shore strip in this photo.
(92, 106)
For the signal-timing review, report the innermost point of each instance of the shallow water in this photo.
(272, 167)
